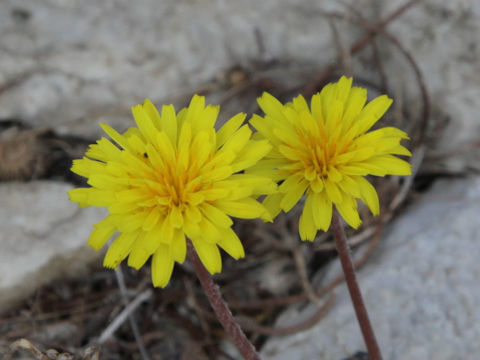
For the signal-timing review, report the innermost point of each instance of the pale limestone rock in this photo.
(421, 288)
(44, 237)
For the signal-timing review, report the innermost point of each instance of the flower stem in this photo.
(220, 307)
(352, 284)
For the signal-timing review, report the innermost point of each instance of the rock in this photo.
(421, 288)
(72, 64)
(444, 39)
(44, 236)
(78, 62)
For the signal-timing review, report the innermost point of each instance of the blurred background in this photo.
(66, 65)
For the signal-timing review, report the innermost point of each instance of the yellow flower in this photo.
(325, 151)
(173, 177)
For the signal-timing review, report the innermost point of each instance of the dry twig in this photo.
(120, 319)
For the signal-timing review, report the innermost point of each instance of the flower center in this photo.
(181, 185)
(319, 156)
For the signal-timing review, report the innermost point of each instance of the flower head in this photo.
(173, 177)
(325, 150)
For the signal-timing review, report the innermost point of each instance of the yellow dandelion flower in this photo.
(173, 177)
(324, 151)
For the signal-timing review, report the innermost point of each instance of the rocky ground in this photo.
(420, 286)
(66, 65)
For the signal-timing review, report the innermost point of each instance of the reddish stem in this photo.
(352, 284)
(224, 315)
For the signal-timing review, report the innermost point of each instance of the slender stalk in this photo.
(352, 284)
(220, 307)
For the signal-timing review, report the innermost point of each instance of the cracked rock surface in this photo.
(43, 235)
(421, 288)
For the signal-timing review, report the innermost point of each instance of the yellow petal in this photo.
(105, 182)
(271, 106)
(155, 158)
(362, 154)
(333, 191)
(209, 232)
(218, 173)
(348, 210)
(152, 219)
(349, 186)
(293, 195)
(176, 217)
(238, 140)
(86, 167)
(372, 112)
(122, 208)
(139, 254)
(102, 232)
(263, 127)
(272, 204)
(167, 230)
(400, 150)
(192, 229)
(251, 154)
(103, 150)
(354, 104)
(206, 119)
(342, 89)
(132, 195)
(195, 108)
(321, 210)
(317, 184)
(353, 170)
(316, 105)
(285, 135)
(334, 116)
(368, 195)
(178, 246)
(132, 222)
(393, 131)
(229, 128)
(152, 113)
(306, 225)
(119, 139)
(92, 196)
(169, 123)
(258, 184)
(216, 216)
(193, 214)
(244, 209)
(184, 141)
(137, 166)
(144, 123)
(162, 267)
(209, 255)
(116, 169)
(152, 240)
(372, 168)
(119, 249)
(201, 149)
(391, 165)
(327, 95)
(290, 153)
(300, 104)
(334, 175)
(231, 244)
